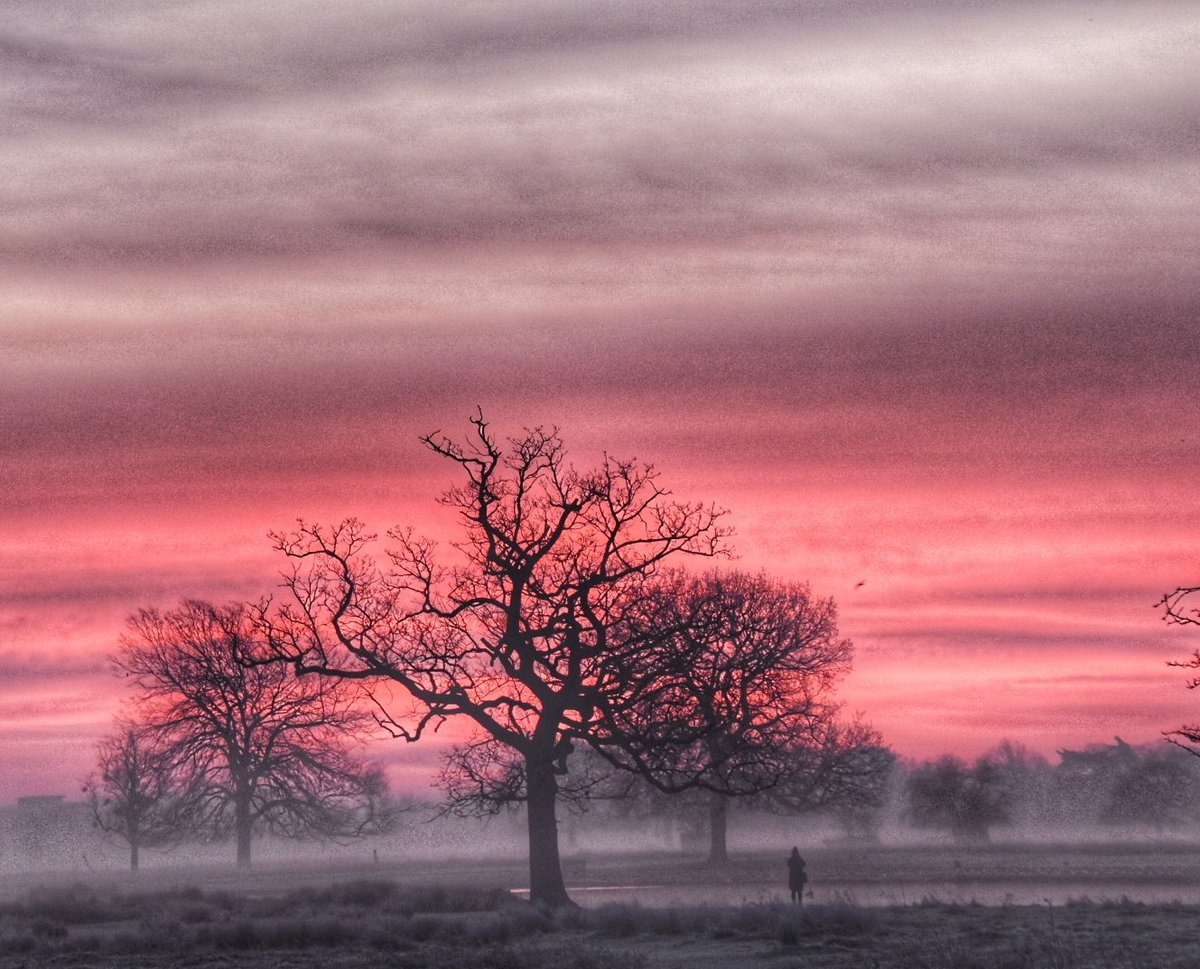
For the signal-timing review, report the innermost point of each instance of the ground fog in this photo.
(633, 911)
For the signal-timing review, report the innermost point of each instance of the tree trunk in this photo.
(546, 885)
(242, 828)
(718, 828)
(133, 854)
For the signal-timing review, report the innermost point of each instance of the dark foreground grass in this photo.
(370, 924)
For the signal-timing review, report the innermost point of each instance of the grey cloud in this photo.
(1058, 593)
(87, 86)
(1098, 712)
(1069, 681)
(111, 65)
(30, 596)
(305, 44)
(51, 700)
(657, 150)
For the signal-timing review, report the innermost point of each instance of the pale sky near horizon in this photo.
(909, 287)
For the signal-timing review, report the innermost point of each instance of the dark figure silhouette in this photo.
(796, 876)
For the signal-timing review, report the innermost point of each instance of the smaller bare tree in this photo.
(269, 750)
(141, 795)
(760, 660)
(846, 772)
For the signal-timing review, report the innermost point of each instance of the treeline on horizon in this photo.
(1154, 787)
(1151, 788)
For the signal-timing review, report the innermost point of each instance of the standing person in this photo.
(796, 876)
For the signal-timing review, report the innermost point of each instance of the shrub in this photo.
(619, 920)
(43, 928)
(75, 905)
(422, 928)
(363, 892)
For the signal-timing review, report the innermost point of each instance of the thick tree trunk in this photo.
(718, 828)
(133, 854)
(546, 885)
(242, 828)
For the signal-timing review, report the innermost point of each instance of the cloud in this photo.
(1024, 401)
(843, 145)
(75, 84)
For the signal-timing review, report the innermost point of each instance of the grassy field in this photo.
(463, 914)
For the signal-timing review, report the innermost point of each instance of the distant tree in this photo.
(1157, 790)
(848, 775)
(535, 632)
(267, 750)
(1027, 779)
(142, 794)
(965, 800)
(763, 658)
(1084, 780)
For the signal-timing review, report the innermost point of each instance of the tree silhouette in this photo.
(965, 800)
(142, 795)
(1156, 790)
(1177, 606)
(267, 750)
(844, 771)
(536, 631)
(762, 659)
(1178, 610)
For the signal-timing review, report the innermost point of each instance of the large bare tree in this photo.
(533, 630)
(267, 750)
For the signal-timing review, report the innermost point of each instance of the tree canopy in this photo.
(263, 749)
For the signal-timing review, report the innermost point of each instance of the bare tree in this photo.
(142, 795)
(268, 750)
(846, 773)
(1178, 610)
(535, 634)
(1177, 607)
(762, 658)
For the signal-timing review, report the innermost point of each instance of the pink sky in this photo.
(910, 288)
